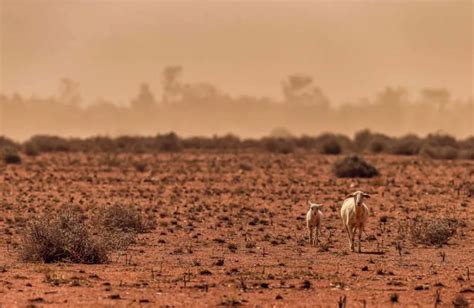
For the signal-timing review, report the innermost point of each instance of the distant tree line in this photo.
(201, 109)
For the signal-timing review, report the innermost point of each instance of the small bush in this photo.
(124, 219)
(63, 236)
(466, 154)
(362, 139)
(440, 152)
(365, 140)
(434, 232)
(328, 143)
(306, 142)
(279, 145)
(7, 143)
(448, 152)
(31, 149)
(227, 142)
(428, 151)
(408, 145)
(460, 302)
(169, 143)
(44, 143)
(331, 147)
(379, 143)
(377, 146)
(467, 143)
(439, 140)
(352, 167)
(11, 156)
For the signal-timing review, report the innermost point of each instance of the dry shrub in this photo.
(379, 144)
(31, 149)
(460, 302)
(354, 166)
(433, 231)
(467, 154)
(365, 140)
(439, 140)
(10, 156)
(227, 142)
(408, 145)
(169, 143)
(123, 219)
(334, 144)
(7, 143)
(45, 143)
(362, 139)
(279, 145)
(448, 152)
(63, 236)
(331, 147)
(439, 152)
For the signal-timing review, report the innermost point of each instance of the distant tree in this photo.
(299, 89)
(393, 97)
(199, 92)
(438, 98)
(145, 99)
(171, 84)
(69, 92)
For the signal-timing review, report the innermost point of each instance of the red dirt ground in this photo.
(206, 204)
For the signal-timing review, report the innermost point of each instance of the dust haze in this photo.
(76, 68)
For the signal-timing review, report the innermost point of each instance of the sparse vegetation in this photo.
(354, 166)
(460, 301)
(31, 149)
(279, 145)
(433, 146)
(169, 143)
(10, 156)
(44, 143)
(331, 147)
(433, 231)
(123, 218)
(7, 143)
(218, 209)
(63, 236)
(408, 145)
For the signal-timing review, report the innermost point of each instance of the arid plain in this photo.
(230, 230)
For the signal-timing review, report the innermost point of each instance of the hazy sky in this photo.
(352, 48)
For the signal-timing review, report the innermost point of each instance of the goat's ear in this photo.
(366, 195)
(309, 203)
(349, 196)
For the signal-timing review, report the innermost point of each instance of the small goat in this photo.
(354, 214)
(313, 222)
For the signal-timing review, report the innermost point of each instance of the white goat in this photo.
(354, 214)
(313, 222)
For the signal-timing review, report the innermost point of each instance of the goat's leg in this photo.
(317, 236)
(353, 231)
(360, 236)
(351, 246)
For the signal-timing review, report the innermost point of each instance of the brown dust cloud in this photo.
(250, 68)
